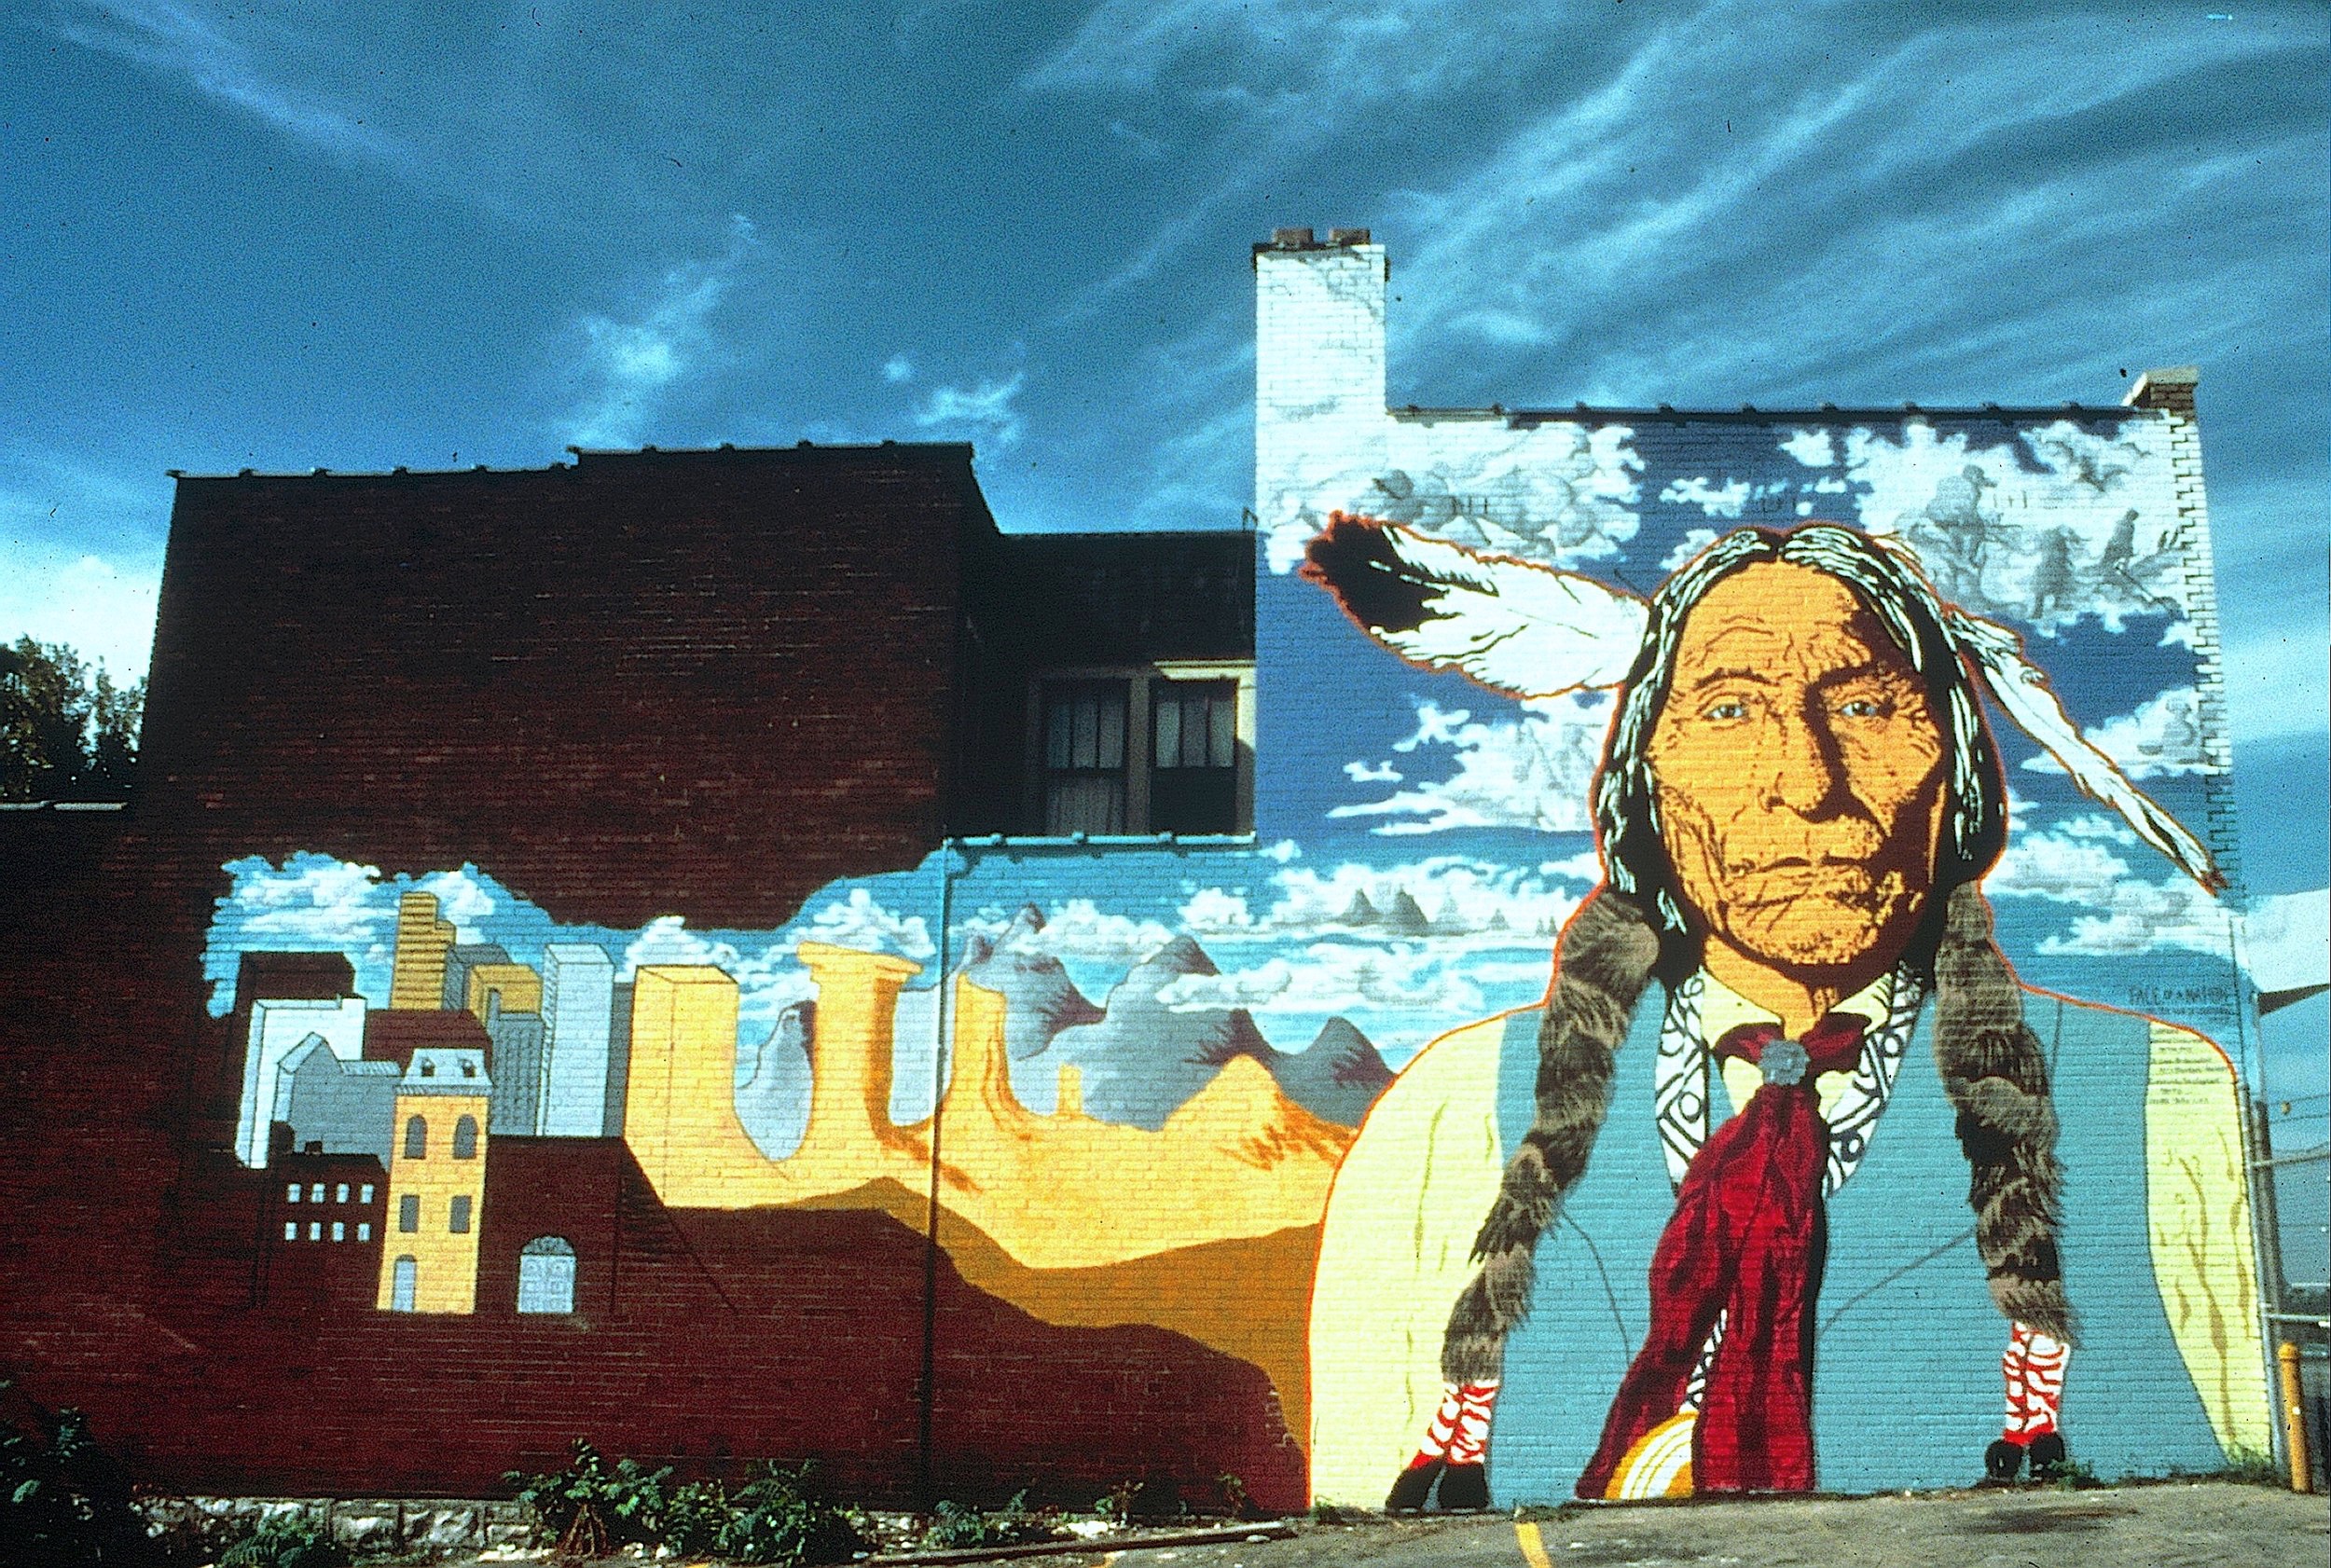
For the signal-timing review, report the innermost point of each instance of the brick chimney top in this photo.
(1307, 239)
(2172, 389)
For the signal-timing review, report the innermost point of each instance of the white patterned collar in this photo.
(1703, 1010)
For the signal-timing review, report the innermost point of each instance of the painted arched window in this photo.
(416, 1137)
(402, 1285)
(466, 1138)
(546, 1275)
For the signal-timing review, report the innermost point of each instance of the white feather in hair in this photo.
(1515, 626)
(2018, 686)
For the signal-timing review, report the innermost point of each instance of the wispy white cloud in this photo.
(2275, 679)
(1603, 230)
(984, 411)
(898, 368)
(179, 42)
(631, 362)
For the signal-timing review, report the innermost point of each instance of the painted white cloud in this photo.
(858, 921)
(630, 362)
(667, 940)
(898, 368)
(984, 412)
(1371, 773)
(2162, 736)
(1814, 449)
(2088, 533)
(1556, 492)
(2079, 863)
(1443, 903)
(1334, 977)
(1712, 500)
(461, 900)
(1218, 909)
(1694, 542)
(1585, 866)
(1077, 928)
(1529, 772)
(310, 901)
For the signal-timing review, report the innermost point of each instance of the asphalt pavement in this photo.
(2170, 1525)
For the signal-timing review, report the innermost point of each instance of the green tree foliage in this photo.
(66, 732)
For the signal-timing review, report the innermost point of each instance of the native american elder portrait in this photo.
(1630, 1240)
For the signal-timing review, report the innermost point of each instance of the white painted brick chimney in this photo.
(1320, 426)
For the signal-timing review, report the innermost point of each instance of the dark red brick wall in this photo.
(630, 681)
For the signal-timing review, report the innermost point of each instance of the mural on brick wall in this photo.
(1789, 1179)
(1796, 1176)
(1125, 1133)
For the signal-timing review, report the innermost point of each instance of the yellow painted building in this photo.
(679, 1108)
(518, 987)
(436, 1185)
(417, 979)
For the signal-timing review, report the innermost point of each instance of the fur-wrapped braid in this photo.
(1996, 1074)
(1602, 964)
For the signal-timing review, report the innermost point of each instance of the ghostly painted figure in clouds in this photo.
(1634, 1236)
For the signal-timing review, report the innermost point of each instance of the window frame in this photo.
(1141, 735)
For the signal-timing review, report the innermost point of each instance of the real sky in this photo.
(358, 236)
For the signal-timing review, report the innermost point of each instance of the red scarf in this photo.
(1747, 1240)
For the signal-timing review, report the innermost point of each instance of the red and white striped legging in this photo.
(1460, 1430)
(2034, 1367)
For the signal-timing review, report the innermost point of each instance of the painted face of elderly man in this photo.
(1797, 799)
(1799, 788)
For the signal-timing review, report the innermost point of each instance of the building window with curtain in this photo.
(1194, 756)
(1085, 757)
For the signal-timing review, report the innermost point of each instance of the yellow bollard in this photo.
(2294, 1420)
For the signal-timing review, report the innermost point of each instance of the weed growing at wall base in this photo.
(775, 1517)
(285, 1541)
(1015, 1523)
